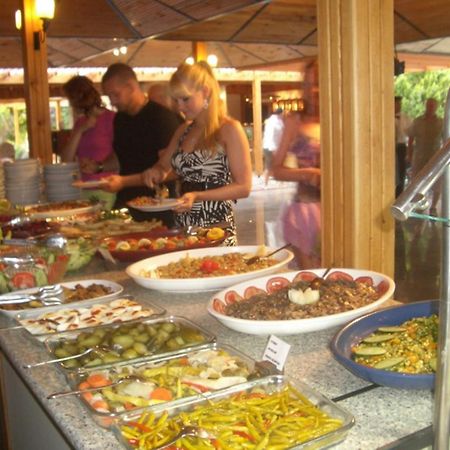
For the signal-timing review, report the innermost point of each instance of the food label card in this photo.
(276, 352)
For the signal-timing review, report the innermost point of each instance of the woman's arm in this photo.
(307, 175)
(69, 151)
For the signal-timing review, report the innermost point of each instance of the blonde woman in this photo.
(209, 153)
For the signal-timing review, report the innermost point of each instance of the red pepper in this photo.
(209, 266)
(244, 435)
(196, 386)
(139, 426)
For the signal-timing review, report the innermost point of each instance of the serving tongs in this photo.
(50, 239)
(193, 230)
(47, 295)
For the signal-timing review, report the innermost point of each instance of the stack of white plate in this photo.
(59, 179)
(22, 181)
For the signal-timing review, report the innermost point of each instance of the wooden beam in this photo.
(199, 51)
(36, 84)
(357, 133)
(257, 126)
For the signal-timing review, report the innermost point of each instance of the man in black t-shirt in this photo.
(141, 129)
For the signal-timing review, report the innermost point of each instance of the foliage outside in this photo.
(416, 87)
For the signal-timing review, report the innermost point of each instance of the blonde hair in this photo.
(193, 77)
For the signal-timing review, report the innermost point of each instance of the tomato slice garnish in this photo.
(304, 276)
(276, 283)
(253, 290)
(23, 280)
(232, 297)
(338, 275)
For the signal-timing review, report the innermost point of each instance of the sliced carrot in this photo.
(98, 380)
(100, 405)
(88, 396)
(84, 385)
(161, 393)
(128, 405)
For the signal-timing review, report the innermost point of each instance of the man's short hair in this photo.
(121, 71)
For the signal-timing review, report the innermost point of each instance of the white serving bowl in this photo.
(201, 284)
(246, 289)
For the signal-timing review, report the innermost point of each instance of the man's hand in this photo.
(115, 183)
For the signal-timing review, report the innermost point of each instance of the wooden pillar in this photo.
(36, 84)
(257, 126)
(357, 132)
(199, 52)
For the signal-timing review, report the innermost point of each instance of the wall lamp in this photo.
(45, 10)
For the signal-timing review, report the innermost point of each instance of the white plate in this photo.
(89, 184)
(61, 212)
(296, 326)
(116, 288)
(166, 204)
(201, 284)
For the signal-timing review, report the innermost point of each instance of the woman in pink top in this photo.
(92, 134)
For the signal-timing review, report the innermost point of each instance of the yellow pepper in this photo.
(215, 233)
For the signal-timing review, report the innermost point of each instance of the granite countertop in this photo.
(382, 415)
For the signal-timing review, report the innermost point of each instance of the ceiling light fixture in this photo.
(18, 19)
(212, 60)
(123, 49)
(116, 52)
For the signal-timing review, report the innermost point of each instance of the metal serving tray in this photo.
(270, 384)
(116, 288)
(202, 338)
(106, 419)
(154, 310)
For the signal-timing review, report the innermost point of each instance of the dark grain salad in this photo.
(330, 297)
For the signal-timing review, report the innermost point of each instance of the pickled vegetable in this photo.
(125, 342)
(254, 420)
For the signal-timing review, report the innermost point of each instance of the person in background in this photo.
(298, 159)
(402, 124)
(273, 130)
(209, 153)
(92, 134)
(7, 152)
(141, 129)
(425, 138)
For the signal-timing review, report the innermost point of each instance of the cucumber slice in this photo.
(388, 363)
(373, 338)
(393, 329)
(362, 350)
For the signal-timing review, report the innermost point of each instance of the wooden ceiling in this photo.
(242, 33)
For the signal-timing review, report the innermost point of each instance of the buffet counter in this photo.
(382, 415)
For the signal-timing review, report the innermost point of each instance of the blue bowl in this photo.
(353, 333)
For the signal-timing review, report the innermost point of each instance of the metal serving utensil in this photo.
(66, 358)
(47, 295)
(256, 258)
(128, 378)
(186, 431)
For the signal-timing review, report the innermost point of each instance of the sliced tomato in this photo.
(218, 306)
(23, 280)
(253, 290)
(304, 276)
(232, 297)
(276, 283)
(338, 275)
(382, 287)
(111, 245)
(365, 280)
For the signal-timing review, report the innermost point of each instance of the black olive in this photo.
(316, 283)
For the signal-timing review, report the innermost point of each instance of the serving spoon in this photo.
(187, 430)
(256, 258)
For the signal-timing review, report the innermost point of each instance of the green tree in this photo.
(416, 87)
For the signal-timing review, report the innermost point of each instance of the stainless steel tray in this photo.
(53, 315)
(272, 384)
(116, 288)
(193, 337)
(165, 372)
